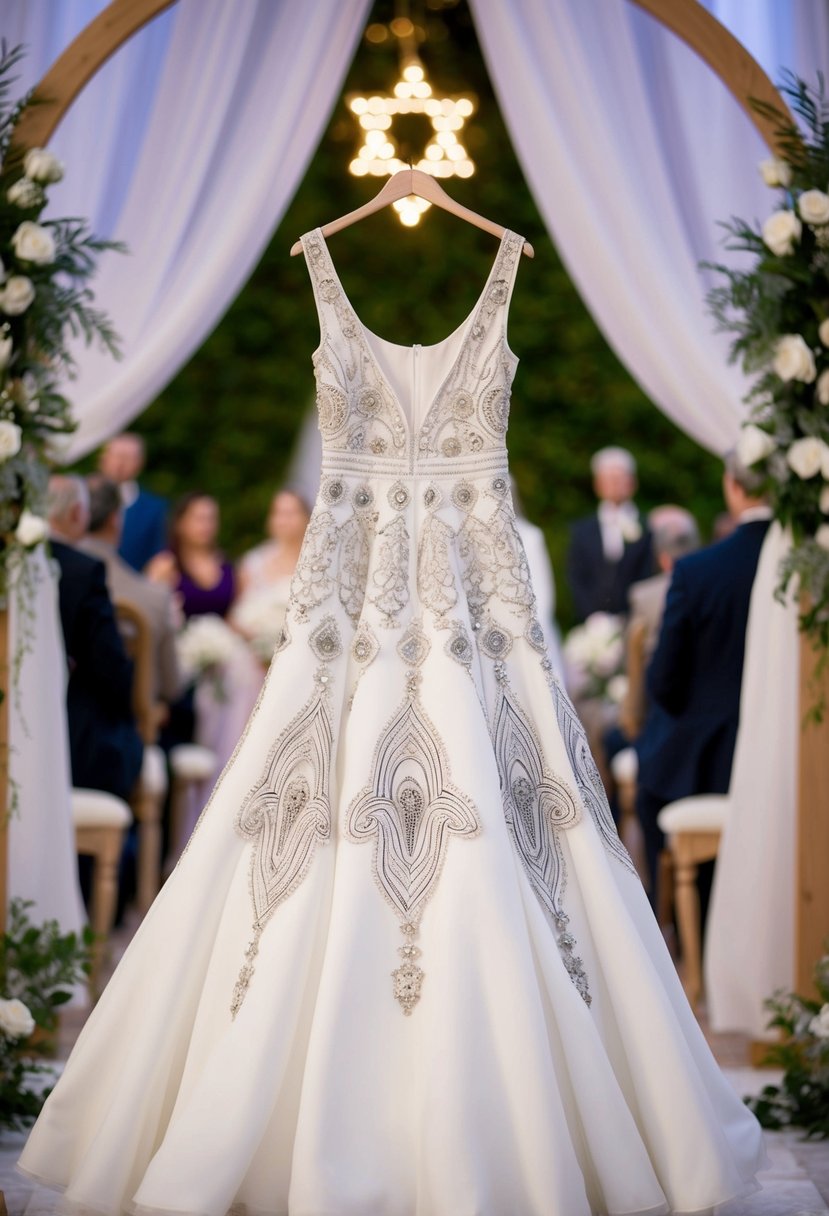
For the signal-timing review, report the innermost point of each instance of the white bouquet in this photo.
(594, 655)
(204, 646)
(259, 615)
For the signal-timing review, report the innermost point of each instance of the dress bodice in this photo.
(431, 410)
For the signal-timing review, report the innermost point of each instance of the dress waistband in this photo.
(348, 464)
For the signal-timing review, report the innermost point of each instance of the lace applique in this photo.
(399, 496)
(410, 810)
(288, 813)
(355, 554)
(391, 578)
(364, 645)
(494, 562)
(535, 635)
(459, 646)
(435, 580)
(414, 646)
(587, 776)
(312, 580)
(493, 640)
(432, 497)
(537, 805)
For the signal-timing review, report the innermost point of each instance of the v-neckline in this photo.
(412, 428)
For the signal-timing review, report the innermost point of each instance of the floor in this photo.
(796, 1182)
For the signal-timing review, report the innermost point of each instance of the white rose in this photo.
(31, 529)
(824, 500)
(822, 538)
(754, 445)
(781, 232)
(16, 295)
(6, 347)
(793, 360)
(42, 166)
(813, 206)
(16, 1022)
(776, 172)
(819, 1024)
(32, 243)
(822, 388)
(10, 439)
(25, 193)
(805, 457)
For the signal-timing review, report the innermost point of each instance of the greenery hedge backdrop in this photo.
(228, 422)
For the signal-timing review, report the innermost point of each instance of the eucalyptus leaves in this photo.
(778, 311)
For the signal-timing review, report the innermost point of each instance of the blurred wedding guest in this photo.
(104, 744)
(675, 534)
(610, 549)
(265, 573)
(193, 566)
(724, 525)
(144, 532)
(153, 600)
(693, 682)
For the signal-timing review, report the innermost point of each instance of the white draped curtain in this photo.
(188, 146)
(634, 151)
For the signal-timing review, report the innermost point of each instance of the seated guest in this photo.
(610, 549)
(675, 534)
(693, 682)
(105, 747)
(153, 600)
(144, 531)
(193, 565)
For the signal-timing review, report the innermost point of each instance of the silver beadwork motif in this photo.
(535, 635)
(355, 554)
(332, 491)
(409, 810)
(363, 497)
(285, 816)
(414, 646)
(464, 495)
(364, 645)
(399, 496)
(332, 408)
(325, 640)
(432, 497)
(459, 646)
(312, 581)
(435, 580)
(537, 806)
(494, 641)
(390, 579)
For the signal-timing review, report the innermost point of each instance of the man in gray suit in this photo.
(675, 533)
(153, 600)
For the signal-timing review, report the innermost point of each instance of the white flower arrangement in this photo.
(204, 647)
(778, 310)
(16, 1021)
(594, 656)
(259, 616)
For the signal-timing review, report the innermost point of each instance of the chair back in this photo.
(138, 643)
(632, 713)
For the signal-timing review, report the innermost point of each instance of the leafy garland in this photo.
(44, 303)
(802, 1097)
(779, 311)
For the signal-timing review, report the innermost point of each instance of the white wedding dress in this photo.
(405, 966)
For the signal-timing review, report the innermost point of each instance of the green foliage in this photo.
(802, 1098)
(39, 966)
(229, 420)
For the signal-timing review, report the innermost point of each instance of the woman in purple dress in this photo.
(194, 566)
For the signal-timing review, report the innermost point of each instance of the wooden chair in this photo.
(632, 711)
(693, 827)
(147, 799)
(101, 822)
(191, 766)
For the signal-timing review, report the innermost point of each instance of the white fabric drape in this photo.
(42, 865)
(749, 949)
(634, 152)
(203, 126)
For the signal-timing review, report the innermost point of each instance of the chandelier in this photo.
(444, 154)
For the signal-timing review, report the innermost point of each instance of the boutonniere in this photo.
(631, 531)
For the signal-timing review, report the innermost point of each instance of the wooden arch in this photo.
(747, 82)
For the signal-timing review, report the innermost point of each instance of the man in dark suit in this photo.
(105, 747)
(612, 548)
(145, 515)
(694, 678)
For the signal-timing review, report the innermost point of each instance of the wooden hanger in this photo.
(401, 185)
